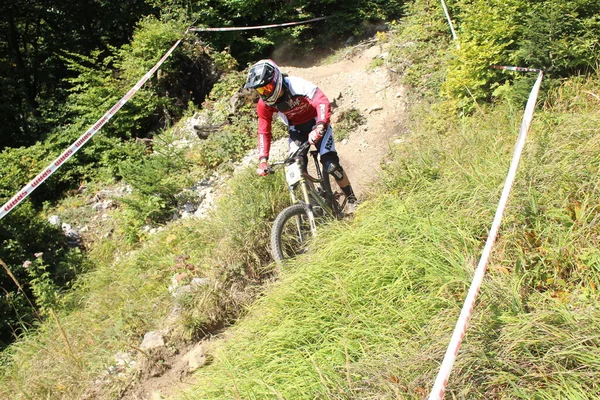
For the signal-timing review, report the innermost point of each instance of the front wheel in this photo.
(290, 233)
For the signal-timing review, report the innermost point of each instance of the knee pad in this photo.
(334, 169)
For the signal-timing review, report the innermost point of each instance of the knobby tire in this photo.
(286, 242)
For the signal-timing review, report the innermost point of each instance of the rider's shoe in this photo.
(351, 205)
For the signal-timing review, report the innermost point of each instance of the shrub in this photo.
(558, 36)
(24, 233)
(421, 42)
(155, 180)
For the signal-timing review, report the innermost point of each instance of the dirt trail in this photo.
(351, 83)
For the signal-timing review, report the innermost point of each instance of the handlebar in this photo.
(290, 159)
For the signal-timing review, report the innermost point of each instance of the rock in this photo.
(181, 291)
(125, 189)
(152, 340)
(102, 194)
(103, 205)
(73, 236)
(190, 207)
(54, 220)
(350, 40)
(198, 282)
(195, 358)
(156, 396)
(124, 360)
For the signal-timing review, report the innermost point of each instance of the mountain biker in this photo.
(305, 109)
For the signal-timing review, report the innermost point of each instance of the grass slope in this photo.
(368, 314)
(111, 308)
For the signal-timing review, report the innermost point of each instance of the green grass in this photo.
(369, 313)
(111, 308)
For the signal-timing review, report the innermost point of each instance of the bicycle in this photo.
(313, 202)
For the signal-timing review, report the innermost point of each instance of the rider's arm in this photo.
(321, 103)
(265, 119)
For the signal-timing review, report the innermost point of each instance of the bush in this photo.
(24, 234)
(421, 42)
(156, 179)
(560, 37)
(228, 145)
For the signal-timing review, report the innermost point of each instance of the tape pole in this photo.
(246, 28)
(451, 24)
(83, 139)
(439, 388)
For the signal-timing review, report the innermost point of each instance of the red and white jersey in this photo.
(303, 106)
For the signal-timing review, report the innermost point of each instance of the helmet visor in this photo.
(267, 90)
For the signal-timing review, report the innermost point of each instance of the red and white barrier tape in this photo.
(246, 28)
(439, 388)
(451, 24)
(519, 69)
(48, 171)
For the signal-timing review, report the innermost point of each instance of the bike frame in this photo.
(308, 195)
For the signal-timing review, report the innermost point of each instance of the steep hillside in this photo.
(355, 84)
(183, 301)
(112, 360)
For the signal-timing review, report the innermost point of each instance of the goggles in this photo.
(266, 90)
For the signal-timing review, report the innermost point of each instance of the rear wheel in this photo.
(329, 195)
(290, 233)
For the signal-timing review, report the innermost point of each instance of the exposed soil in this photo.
(351, 83)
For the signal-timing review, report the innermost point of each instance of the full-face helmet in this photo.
(265, 77)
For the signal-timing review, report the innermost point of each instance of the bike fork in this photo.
(309, 211)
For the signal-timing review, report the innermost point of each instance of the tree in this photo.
(35, 34)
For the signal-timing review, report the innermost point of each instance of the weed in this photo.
(348, 120)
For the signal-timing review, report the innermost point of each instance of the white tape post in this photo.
(50, 169)
(439, 388)
(451, 24)
(247, 28)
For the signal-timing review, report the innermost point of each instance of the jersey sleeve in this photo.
(321, 104)
(265, 120)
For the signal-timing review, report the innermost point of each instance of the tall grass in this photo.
(368, 314)
(110, 309)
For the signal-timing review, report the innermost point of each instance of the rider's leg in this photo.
(331, 164)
